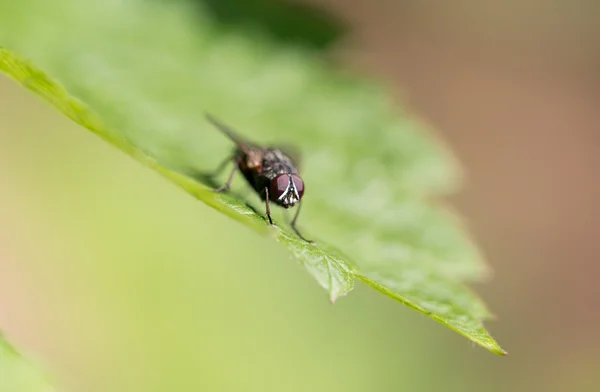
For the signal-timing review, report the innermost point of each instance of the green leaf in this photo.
(141, 75)
(18, 374)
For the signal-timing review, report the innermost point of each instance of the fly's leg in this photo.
(222, 165)
(267, 205)
(293, 225)
(226, 186)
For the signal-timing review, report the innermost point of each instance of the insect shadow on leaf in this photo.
(209, 178)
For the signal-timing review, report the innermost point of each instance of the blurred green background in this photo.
(116, 280)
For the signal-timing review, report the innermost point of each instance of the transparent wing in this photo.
(292, 152)
(242, 143)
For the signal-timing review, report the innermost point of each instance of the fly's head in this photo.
(286, 189)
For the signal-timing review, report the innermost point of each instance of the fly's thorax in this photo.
(250, 158)
(274, 163)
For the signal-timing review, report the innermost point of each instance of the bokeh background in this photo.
(115, 280)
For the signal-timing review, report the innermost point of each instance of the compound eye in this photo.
(279, 186)
(298, 184)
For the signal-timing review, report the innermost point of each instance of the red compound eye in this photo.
(299, 184)
(279, 186)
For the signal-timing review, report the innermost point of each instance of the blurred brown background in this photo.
(514, 88)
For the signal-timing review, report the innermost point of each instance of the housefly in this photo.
(268, 169)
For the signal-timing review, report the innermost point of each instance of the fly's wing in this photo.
(253, 152)
(241, 143)
(291, 152)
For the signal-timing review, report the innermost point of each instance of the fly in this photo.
(270, 171)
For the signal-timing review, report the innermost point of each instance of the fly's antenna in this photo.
(226, 130)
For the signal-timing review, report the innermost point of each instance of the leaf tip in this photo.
(500, 351)
(333, 297)
(336, 294)
(495, 348)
